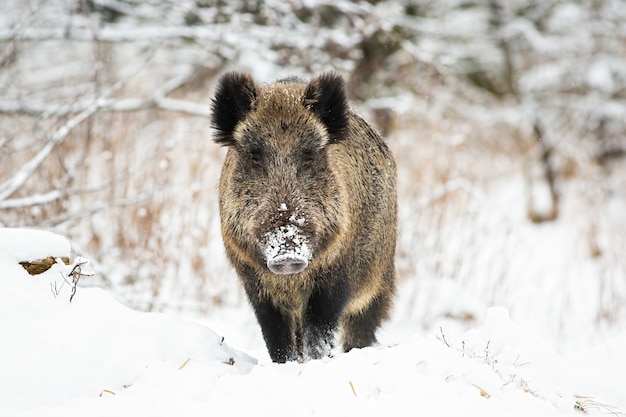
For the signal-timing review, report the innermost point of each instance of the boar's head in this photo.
(280, 192)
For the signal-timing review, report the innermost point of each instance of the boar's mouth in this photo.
(286, 250)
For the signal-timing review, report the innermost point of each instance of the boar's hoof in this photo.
(287, 264)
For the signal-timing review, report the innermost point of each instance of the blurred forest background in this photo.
(507, 120)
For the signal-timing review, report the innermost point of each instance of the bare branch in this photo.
(51, 196)
(85, 111)
(11, 185)
(33, 200)
(8, 54)
(76, 274)
(113, 34)
(183, 106)
(545, 158)
(127, 104)
(123, 202)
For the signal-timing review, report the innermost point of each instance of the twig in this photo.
(585, 404)
(184, 364)
(76, 273)
(56, 290)
(106, 391)
(443, 336)
(352, 388)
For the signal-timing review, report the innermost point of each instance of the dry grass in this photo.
(144, 187)
(141, 185)
(589, 405)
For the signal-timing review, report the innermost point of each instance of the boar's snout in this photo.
(286, 250)
(287, 264)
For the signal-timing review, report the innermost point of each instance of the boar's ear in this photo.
(233, 99)
(326, 97)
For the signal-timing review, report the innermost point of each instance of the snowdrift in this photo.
(93, 356)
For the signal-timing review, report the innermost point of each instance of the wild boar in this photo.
(308, 208)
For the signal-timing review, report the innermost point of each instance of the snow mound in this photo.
(93, 356)
(59, 356)
(32, 244)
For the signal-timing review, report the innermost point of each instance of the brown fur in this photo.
(299, 157)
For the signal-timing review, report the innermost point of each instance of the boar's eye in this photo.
(307, 160)
(255, 157)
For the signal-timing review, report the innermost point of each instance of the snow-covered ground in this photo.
(93, 356)
(494, 314)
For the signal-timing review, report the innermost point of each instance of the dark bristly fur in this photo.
(231, 103)
(326, 97)
(299, 159)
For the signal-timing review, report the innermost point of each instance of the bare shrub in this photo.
(133, 181)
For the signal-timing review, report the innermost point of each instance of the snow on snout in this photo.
(286, 244)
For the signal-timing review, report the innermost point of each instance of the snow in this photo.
(31, 245)
(286, 242)
(94, 356)
(465, 245)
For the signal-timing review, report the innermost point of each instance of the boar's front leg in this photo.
(359, 327)
(276, 331)
(321, 321)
